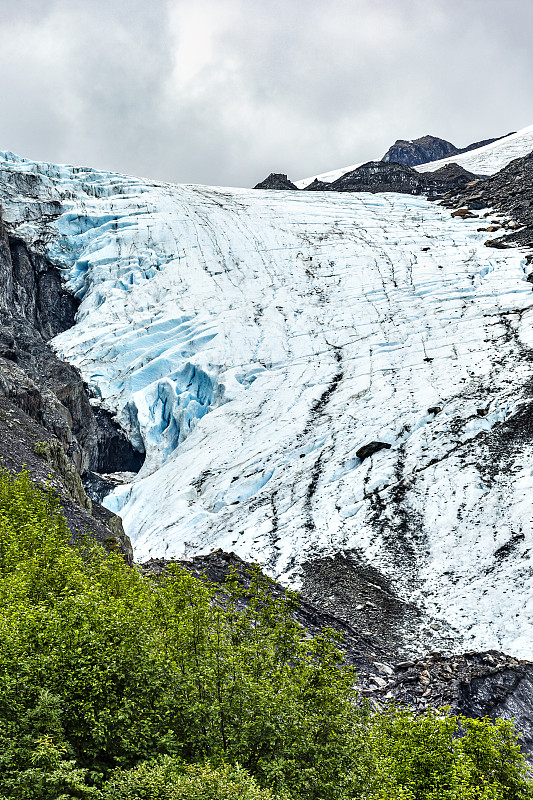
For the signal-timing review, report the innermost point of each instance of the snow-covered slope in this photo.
(327, 177)
(491, 158)
(483, 161)
(254, 341)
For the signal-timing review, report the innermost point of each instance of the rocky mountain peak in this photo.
(429, 148)
(276, 180)
(381, 176)
(419, 151)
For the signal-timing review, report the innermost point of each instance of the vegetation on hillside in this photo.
(118, 687)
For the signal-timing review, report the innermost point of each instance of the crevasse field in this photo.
(251, 342)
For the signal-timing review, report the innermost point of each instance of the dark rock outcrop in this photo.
(474, 684)
(509, 193)
(25, 444)
(428, 148)
(35, 307)
(452, 176)
(276, 180)
(378, 176)
(419, 151)
(48, 423)
(369, 449)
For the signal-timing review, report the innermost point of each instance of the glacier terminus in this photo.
(251, 343)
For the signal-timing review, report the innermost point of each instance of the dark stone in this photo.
(506, 692)
(428, 148)
(378, 176)
(115, 452)
(97, 486)
(276, 181)
(35, 307)
(510, 193)
(369, 449)
(434, 410)
(25, 444)
(497, 243)
(419, 151)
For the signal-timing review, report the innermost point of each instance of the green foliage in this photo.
(41, 449)
(114, 685)
(443, 757)
(169, 779)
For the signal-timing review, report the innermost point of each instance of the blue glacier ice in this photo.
(252, 341)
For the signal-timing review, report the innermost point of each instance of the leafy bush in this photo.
(111, 679)
(443, 757)
(168, 779)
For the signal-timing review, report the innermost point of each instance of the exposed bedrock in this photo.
(276, 181)
(428, 148)
(379, 176)
(26, 444)
(35, 307)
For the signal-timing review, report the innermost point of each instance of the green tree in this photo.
(106, 675)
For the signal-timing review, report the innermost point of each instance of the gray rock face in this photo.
(428, 148)
(510, 193)
(34, 307)
(47, 423)
(276, 181)
(378, 176)
(26, 444)
(419, 151)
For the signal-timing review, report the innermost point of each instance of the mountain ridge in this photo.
(413, 152)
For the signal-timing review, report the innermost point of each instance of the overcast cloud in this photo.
(226, 91)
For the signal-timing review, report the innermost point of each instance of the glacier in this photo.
(250, 342)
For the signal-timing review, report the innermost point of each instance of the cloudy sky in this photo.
(225, 91)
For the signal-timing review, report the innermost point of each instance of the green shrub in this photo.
(109, 676)
(439, 756)
(168, 779)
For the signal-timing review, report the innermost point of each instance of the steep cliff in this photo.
(48, 424)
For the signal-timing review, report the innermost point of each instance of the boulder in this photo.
(369, 449)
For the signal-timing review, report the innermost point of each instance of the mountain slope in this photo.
(253, 343)
(492, 157)
(485, 160)
(428, 148)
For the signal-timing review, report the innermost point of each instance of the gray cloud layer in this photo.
(226, 91)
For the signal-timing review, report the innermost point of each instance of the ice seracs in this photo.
(253, 342)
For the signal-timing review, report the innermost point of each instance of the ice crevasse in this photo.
(252, 342)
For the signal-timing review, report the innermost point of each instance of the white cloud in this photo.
(225, 91)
